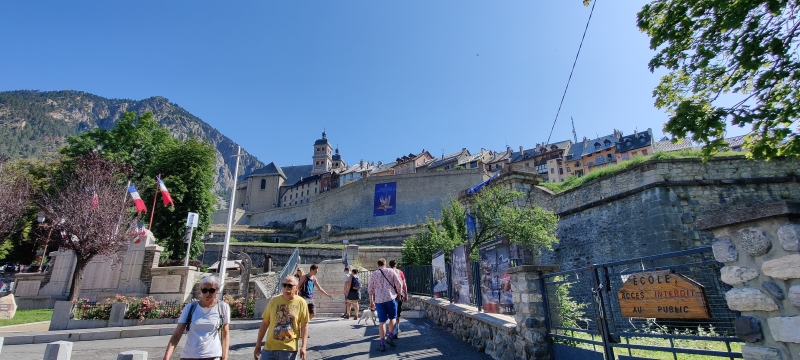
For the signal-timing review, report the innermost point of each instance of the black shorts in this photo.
(310, 308)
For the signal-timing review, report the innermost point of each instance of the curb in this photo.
(39, 337)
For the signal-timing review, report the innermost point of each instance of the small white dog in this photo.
(369, 314)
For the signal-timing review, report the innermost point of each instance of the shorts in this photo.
(277, 355)
(386, 311)
(310, 308)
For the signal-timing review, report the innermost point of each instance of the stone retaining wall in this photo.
(760, 247)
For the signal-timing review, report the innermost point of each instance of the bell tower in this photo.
(323, 152)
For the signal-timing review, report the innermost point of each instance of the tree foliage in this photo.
(15, 191)
(185, 166)
(498, 212)
(86, 208)
(728, 61)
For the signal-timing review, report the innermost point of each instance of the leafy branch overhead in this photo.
(730, 62)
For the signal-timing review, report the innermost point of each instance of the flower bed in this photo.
(150, 308)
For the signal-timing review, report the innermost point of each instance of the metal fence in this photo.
(419, 279)
(288, 269)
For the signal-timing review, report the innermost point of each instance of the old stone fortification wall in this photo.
(386, 237)
(281, 216)
(652, 208)
(418, 195)
(367, 255)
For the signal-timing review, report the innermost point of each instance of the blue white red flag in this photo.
(165, 196)
(137, 200)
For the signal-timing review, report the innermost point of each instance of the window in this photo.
(624, 156)
(599, 160)
(596, 146)
(610, 158)
(552, 171)
(263, 184)
(308, 192)
(527, 165)
(606, 143)
(560, 171)
(315, 190)
(578, 164)
(447, 167)
(568, 169)
(644, 152)
(641, 139)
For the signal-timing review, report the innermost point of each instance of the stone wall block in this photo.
(750, 352)
(794, 295)
(724, 250)
(784, 268)
(789, 236)
(59, 350)
(773, 289)
(748, 328)
(749, 299)
(786, 329)
(734, 275)
(754, 241)
(132, 355)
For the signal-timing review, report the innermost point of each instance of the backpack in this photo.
(304, 287)
(356, 285)
(193, 306)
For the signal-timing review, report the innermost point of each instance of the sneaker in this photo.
(394, 336)
(390, 341)
(381, 347)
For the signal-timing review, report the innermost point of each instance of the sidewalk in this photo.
(39, 337)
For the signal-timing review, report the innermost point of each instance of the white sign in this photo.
(345, 241)
(191, 220)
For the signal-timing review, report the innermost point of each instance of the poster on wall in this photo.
(459, 266)
(439, 275)
(385, 202)
(495, 283)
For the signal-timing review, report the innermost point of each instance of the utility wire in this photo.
(571, 71)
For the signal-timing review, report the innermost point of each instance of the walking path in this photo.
(330, 339)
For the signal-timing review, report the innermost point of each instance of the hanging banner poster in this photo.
(459, 266)
(385, 202)
(495, 283)
(439, 275)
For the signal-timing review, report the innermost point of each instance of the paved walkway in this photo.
(330, 339)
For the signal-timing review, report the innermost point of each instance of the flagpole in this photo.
(155, 197)
(223, 263)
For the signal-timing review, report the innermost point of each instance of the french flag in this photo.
(165, 196)
(137, 200)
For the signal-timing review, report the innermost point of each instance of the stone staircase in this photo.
(330, 277)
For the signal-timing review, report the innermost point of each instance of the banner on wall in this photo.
(459, 265)
(496, 257)
(439, 275)
(385, 202)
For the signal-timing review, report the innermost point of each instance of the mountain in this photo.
(34, 124)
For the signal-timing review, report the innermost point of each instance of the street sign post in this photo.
(191, 223)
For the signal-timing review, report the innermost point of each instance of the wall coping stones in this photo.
(533, 268)
(496, 320)
(749, 214)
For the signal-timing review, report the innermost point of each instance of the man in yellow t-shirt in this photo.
(284, 320)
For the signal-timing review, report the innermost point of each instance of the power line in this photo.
(571, 71)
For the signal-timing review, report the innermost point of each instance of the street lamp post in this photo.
(40, 219)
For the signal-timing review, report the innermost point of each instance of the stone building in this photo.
(447, 162)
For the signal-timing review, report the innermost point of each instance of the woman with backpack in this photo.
(353, 292)
(205, 323)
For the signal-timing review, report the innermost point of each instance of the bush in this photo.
(241, 308)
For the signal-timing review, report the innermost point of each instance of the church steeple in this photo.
(323, 152)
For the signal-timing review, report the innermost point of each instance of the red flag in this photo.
(165, 196)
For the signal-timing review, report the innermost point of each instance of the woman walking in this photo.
(353, 293)
(205, 323)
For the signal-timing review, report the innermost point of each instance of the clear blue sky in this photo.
(384, 78)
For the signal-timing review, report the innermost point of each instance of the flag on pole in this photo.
(164, 192)
(137, 200)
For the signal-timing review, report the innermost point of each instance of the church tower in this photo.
(323, 152)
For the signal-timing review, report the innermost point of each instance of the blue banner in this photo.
(385, 199)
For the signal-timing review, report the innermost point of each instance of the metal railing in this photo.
(288, 269)
(419, 279)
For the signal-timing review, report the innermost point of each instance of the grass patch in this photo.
(736, 347)
(573, 181)
(28, 316)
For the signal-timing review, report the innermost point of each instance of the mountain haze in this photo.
(34, 124)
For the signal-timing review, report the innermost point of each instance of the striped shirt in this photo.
(381, 288)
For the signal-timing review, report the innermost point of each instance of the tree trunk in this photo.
(77, 280)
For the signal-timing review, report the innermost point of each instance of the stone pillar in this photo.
(132, 355)
(117, 314)
(59, 350)
(760, 249)
(531, 317)
(61, 315)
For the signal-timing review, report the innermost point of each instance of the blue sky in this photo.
(383, 78)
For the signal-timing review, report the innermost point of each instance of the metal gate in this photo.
(585, 321)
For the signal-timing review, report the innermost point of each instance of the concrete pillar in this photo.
(59, 350)
(261, 305)
(132, 355)
(1, 344)
(528, 297)
(61, 314)
(117, 314)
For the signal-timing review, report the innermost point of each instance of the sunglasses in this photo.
(210, 291)
(288, 285)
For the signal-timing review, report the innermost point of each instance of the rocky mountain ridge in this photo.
(34, 124)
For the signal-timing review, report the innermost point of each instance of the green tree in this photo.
(728, 61)
(447, 234)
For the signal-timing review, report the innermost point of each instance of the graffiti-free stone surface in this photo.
(789, 235)
(784, 268)
(785, 328)
(748, 329)
(794, 295)
(773, 289)
(734, 275)
(754, 241)
(751, 352)
(749, 299)
(724, 250)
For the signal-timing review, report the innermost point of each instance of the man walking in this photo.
(346, 279)
(284, 321)
(403, 297)
(307, 285)
(384, 285)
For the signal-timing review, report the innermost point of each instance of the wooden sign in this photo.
(662, 294)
